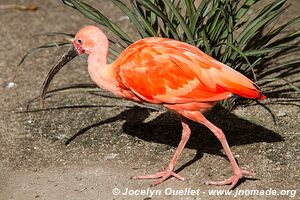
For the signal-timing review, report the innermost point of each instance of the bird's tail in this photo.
(239, 84)
(261, 95)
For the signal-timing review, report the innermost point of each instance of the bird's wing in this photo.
(162, 70)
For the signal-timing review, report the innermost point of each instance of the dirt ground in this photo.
(115, 139)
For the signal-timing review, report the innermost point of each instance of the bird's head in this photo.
(88, 40)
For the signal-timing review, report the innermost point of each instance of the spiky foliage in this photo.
(221, 28)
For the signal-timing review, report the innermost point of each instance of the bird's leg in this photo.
(238, 173)
(168, 171)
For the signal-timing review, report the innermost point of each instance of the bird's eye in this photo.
(79, 41)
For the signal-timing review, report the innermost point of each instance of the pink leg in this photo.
(238, 173)
(168, 171)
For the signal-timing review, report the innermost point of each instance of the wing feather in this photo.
(166, 71)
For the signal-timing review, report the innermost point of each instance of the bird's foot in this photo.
(232, 181)
(160, 176)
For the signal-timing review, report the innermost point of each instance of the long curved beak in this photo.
(67, 57)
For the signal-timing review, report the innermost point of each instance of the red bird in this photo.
(167, 72)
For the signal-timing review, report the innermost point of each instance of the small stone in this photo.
(10, 85)
(82, 189)
(281, 114)
(60, 136)
(110, 156)
(278, 168)
(195, 174)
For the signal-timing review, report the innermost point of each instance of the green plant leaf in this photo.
(132, 17)
(262, 51)
(93, 14)
(289, 38)
(70, 35)
(180, 19)
(205, 41)
(246, 59)
(270, 35)
(264, 17)
(149, 5)
(145, 23)
(197, 18)
(190, 9)
(44, 46)
(296, 88)
(280, 67)
(244, 9)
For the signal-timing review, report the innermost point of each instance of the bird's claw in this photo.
(233, 180)
(160, 176)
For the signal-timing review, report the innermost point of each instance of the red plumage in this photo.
(167, 72)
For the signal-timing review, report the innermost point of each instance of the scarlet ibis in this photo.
(167, 72)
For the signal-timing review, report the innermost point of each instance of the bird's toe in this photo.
(160, 176)
(233, 180)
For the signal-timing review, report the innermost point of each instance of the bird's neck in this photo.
(102, 73)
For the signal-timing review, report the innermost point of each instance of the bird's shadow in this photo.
(166, 129)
